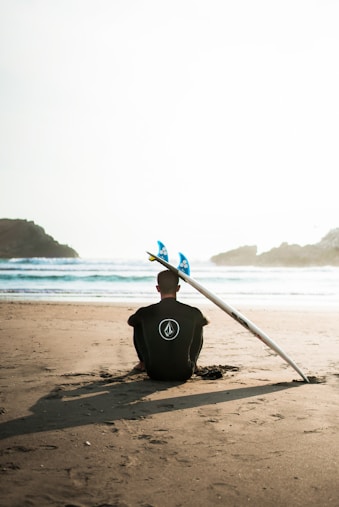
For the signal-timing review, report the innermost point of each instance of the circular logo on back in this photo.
(169, 329)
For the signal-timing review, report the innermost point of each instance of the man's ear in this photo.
(178, 288)
(158, 288)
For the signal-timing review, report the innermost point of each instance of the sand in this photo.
(79, 428)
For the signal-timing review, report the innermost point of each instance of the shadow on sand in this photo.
(115, 398)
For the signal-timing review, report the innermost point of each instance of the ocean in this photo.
(93, 280)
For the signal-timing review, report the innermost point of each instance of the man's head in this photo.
(168, 283)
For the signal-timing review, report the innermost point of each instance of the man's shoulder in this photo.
(187, 308)
(148, 308)
(141, 313)
(194, 312)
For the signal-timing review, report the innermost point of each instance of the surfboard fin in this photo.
(184, 265)
(163, 254)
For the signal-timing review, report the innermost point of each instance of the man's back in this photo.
(170, 338)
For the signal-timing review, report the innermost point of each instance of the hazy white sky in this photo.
(207, 124)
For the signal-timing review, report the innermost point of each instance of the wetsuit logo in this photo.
(169, 329)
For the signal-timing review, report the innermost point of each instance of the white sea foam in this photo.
(119, 281)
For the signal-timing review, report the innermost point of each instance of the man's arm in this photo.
(134, 319)
(131, 320)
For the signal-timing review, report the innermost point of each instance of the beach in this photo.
(80, 428)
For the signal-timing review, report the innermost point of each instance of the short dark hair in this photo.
(168, 281)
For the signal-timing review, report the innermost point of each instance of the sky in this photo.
(206, 124)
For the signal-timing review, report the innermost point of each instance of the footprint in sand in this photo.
(78, 479)
(152, 440)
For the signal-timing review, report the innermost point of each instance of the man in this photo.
(168, 335)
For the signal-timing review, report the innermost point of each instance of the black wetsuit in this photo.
(168, 338)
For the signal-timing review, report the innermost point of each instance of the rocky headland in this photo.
(23, 239)
(324, 253)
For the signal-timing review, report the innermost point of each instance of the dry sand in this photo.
(77, 428)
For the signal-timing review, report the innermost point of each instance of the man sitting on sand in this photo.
(168, 335)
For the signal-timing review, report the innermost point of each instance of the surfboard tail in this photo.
(162, 253)
(184, 265)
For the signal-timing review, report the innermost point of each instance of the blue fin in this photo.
(162, 251)
(184, 265)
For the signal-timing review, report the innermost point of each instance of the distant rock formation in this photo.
(324, 253)
(22, 239)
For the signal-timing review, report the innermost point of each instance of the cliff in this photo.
(21, 238)
(324, 253)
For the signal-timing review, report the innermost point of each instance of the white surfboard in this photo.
(235, 314)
